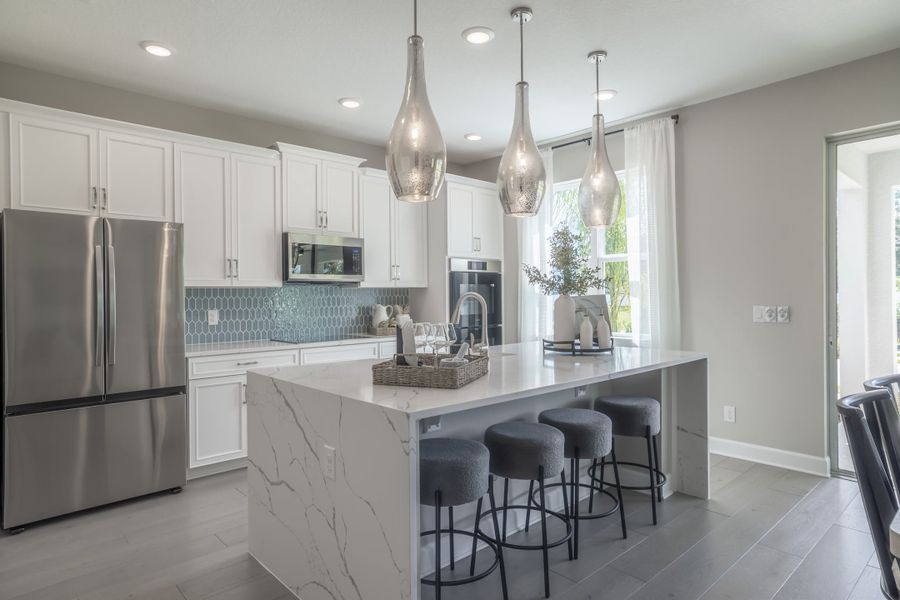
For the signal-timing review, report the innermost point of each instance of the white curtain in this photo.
(652, 249)
(535, 308)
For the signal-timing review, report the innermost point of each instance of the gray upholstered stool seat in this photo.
(588, 431)
(459, 469)
(631, 415)
(519, 449)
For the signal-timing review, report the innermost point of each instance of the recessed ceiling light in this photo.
(605, 95)
(478, 35)
(349, 102)
(473, 137)
(156, 49)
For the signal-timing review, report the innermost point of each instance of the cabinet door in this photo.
(487, 225)
(339, 183)
(459, 220)
(302, 191)
(203, 204)
(53, 166)
(218, 420)
(136, 177)
(375, 206)
(257, 223)
(332, 354)
(411, 254)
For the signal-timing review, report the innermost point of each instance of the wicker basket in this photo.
(383, 331)
(451, 378)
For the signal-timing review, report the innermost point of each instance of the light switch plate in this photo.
(212, 316)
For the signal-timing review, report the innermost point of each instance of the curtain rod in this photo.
(588, 139)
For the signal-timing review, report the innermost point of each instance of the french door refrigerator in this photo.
(93, 366)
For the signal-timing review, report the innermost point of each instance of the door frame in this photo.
(831, 146)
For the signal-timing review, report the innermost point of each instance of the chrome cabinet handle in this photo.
(94, 196)
(98, 282)
(243, 393)
(105, 198)
(113, 333)
(246, 363)
(326, 219)
(398, 272)
(237, 269)
(228, 267)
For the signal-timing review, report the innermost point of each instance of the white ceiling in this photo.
(289, 61)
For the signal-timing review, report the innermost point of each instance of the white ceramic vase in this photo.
(586, 335)
(564, 328)
(604, 333)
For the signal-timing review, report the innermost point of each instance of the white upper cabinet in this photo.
(395, 235)
(320, 191)
(203, 202)
(474, 220)
(136, 177)
(53, 166)
(256, 186)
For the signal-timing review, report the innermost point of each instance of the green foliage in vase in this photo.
(570, 272)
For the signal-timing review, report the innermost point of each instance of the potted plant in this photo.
(570, 274)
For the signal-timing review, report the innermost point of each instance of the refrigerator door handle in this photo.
(111, 273)
(99, 295)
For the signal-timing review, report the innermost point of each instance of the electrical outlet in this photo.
(580, 391)
(212, 316)
(729, 414)
(328, 461)
(429, 425)
(770, 315)
(783, 314)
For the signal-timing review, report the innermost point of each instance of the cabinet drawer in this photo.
(330, 354)
(387, 349)
(238, 364)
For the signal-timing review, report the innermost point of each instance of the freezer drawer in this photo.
(63, 461)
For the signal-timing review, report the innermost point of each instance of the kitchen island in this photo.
(333, 479)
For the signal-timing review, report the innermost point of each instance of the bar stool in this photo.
(532, 452)
(634, 416)
(588, 435)
(453, 472)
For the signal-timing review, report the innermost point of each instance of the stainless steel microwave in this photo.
(322, 259)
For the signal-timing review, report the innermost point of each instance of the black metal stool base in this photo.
(471, 578)
(562, 517)
(661, 477)
(580, 516)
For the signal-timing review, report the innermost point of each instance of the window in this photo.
(608, 248)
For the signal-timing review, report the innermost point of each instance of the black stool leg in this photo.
(647, 436)
(545, 548)
(576, 479)
(452, 554)
(619, 490)
(563, 485)
(437, 545)
(528, 504)
(593, 475)
(505, 504)
(659, 495)
(475, 539)
(497, 538)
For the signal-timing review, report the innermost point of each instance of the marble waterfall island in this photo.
(333, 480)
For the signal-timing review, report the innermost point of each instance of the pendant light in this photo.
(598, 194)
(416, 156)
(521, 178)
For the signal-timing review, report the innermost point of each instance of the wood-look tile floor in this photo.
(766, 534)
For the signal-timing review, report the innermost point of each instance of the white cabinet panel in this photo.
(387, 349)
(411, 254)
(376, 203)
(460, 241)
(237, 364)
(218, 420)
(340, 205)
(4, 160)
(136, 177)
(257, 220)
(302, 189)
(487, 225)
(331, 354)
(53, 166)
(203, 204)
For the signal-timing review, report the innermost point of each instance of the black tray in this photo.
(573, 347)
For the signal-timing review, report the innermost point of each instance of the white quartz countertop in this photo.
(195, 350)
(516, 371)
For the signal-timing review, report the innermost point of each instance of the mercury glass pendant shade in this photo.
(521, 178)
(416, 155)
(599, 196)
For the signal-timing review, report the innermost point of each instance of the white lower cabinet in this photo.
(218, 417)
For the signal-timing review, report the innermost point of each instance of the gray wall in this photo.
(46, 89)
(751, 227)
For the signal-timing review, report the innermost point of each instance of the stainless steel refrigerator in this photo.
(93, 368)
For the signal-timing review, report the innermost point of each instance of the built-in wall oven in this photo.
(322, 259)
(482, 277)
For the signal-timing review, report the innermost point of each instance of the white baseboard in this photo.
(215, 469)
(794, 461)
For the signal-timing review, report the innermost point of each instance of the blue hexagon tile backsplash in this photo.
(302, 313)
